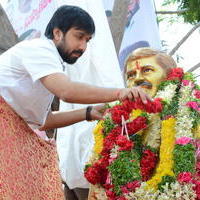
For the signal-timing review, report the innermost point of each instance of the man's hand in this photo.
(97, 112)
(133, 94)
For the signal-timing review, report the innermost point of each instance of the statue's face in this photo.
(146, 73)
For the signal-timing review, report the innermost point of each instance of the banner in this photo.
(141, 29)
(29, 18)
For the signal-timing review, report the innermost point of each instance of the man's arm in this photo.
(59, 119)
(74, 92)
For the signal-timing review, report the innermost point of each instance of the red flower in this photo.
(124, 189)
(148, 164)
(117, 130)
(184, 177)
(124, 143)
(198, 168)
(110, 194)
(136, 125)
(104, 161)
(117, 112)
(120, 198)
(108, 186)
(109, 142)
(129, 105)
(154, 106)
(97, 173)
(133, 185)
(196, 188)
(168, 116)
(130, 187)
(93, 174)
(151, 107)
(175, 74)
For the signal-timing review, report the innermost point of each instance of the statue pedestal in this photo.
(97, 193)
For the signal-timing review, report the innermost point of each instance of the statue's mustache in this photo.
(144, 83)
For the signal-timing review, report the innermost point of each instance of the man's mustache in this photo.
(77, 52)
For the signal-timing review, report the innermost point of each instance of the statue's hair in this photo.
(163, 59)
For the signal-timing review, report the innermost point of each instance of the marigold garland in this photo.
(165, 166)
(98, 137)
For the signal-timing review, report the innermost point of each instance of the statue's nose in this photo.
(139, 77)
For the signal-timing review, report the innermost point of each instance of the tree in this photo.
(189, 10)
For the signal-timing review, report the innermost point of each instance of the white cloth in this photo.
(21, 67)
(98, 66)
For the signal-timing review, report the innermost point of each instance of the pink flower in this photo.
(183, 140)
(194, 105)
(197, 94)
(185, 177)
(187, 83)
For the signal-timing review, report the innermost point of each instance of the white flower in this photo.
(168, 93)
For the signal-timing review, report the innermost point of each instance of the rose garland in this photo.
(125, 167)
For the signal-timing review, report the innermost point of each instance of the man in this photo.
(31, 73)
(145, 68)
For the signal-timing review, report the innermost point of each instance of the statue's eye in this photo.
(146, 70)
(130, 74)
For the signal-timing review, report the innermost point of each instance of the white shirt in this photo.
(21, 68)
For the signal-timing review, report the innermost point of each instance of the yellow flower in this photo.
(135, 113)
(196, 132)
(165, 165)
(98, 137)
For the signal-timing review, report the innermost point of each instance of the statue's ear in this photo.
(8, 37)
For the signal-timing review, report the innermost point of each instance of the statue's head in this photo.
(146, 68)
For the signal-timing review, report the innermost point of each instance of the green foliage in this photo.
(197, 87)
(172, 108)
(184, 158)
(154, 150)
(189, 76)
(125, 169)
(163, 84)
(166, 179)
(108, 125)
(196, 116)
(192, 15)
(87, 166)
(137, 139)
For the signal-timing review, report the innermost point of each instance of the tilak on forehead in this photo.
(138, 65)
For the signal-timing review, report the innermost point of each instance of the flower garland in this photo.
(129, 169)
(165, 166)
(98, 138)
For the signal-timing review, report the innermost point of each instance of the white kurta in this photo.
(21, 68)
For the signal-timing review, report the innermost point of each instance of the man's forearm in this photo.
(87, 94)
(75, 92)
(59, 119)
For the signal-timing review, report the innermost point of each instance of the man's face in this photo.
(146, 73)
(72, 45)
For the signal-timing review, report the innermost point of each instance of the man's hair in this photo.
(67, 17)
(164, 60)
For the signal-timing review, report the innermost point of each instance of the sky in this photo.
(172, 33)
